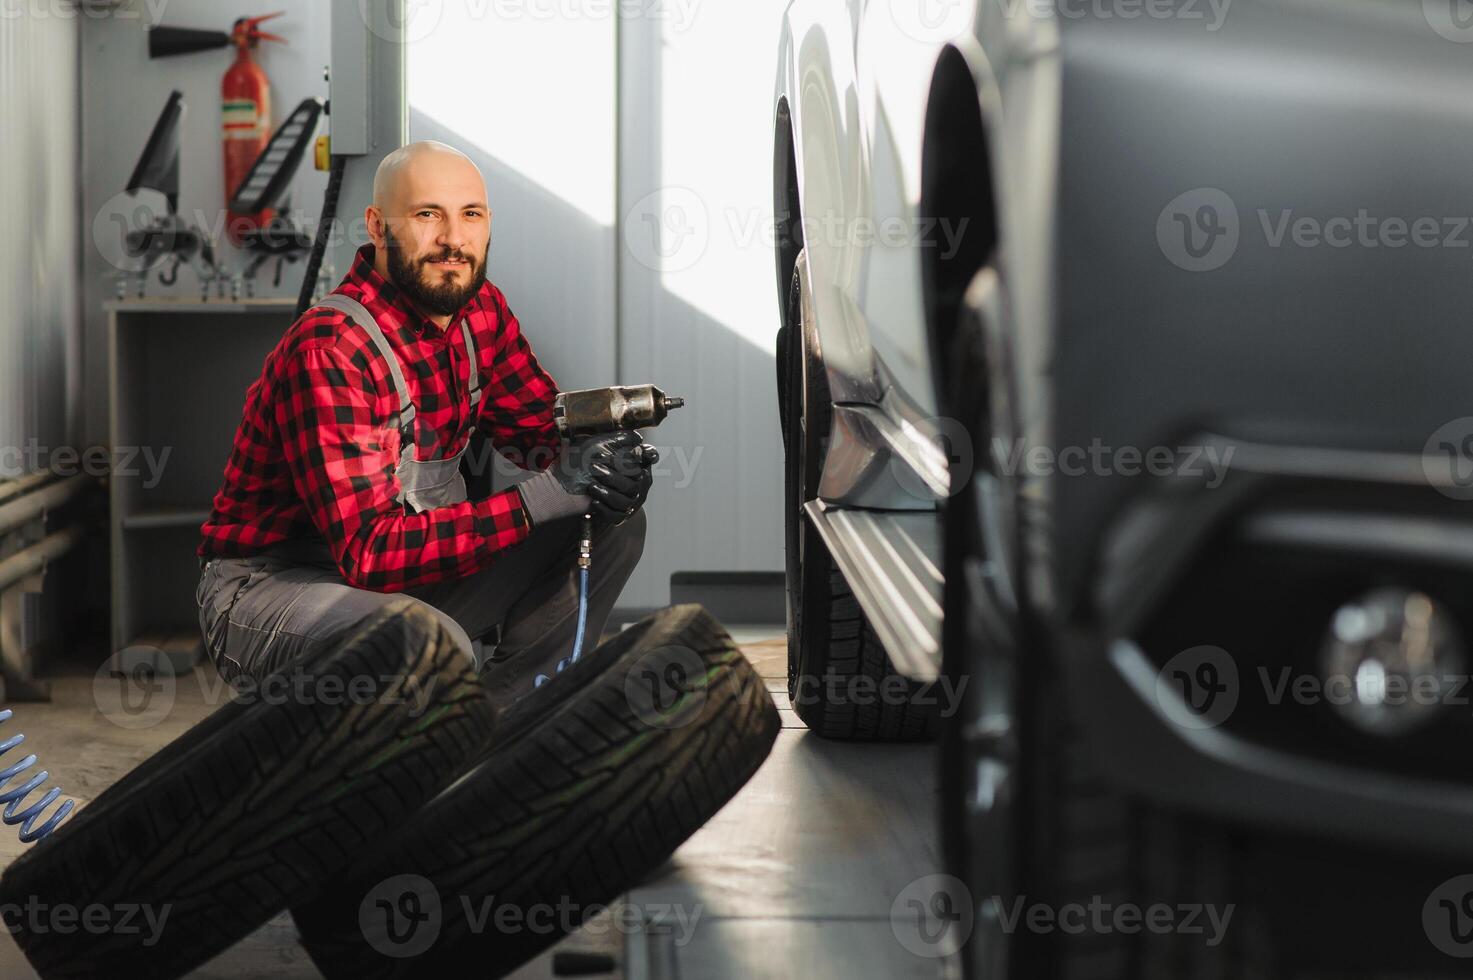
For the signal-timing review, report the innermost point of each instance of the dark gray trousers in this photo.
(260, 613)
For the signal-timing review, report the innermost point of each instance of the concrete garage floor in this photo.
(795, 877)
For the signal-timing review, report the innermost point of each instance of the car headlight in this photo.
(1391, 660)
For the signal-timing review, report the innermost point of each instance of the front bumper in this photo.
(1252, 567)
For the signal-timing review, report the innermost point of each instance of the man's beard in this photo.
(443, 298)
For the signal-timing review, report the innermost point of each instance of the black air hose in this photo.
(324, 231)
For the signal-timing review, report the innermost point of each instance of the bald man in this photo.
(344, 489)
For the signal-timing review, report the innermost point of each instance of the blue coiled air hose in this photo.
(585, 560)
(31, 815)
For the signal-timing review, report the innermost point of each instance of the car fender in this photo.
(817, 81)
(852, 82)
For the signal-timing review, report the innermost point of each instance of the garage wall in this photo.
(530, 99)
(40, 349)
(122, 93)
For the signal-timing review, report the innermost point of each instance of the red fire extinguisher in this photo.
(245, 113)
(245, 101)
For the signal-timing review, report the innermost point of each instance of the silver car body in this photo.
(1326, 364)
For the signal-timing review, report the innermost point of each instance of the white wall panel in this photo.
(526, 89)
(699, 312)
(40, 353)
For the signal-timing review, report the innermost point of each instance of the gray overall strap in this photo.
(473, 377)
(360, 315)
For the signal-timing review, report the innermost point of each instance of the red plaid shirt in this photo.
(315, 453)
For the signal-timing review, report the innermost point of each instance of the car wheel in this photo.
(1025, 822)
(980, 763)
(840, 680)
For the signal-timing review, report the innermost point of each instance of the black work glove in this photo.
(562, 490)
(622, 481)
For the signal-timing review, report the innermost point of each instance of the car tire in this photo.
(593, 782)
(1025, 822)
(249, 810)
(1086, 844)
(841, 683)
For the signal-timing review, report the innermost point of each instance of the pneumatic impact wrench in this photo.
(593, 411)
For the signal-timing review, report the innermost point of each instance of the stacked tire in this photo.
(250, 811)
(591, 783)
(365, 815)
